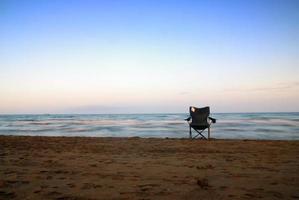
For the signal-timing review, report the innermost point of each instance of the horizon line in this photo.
(144, 113)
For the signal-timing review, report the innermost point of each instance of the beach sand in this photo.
(135, 168)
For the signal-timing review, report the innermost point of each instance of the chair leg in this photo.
(199, 133)
(209, 131)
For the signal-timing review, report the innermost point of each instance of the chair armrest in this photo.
(187, 119)
(212, 119)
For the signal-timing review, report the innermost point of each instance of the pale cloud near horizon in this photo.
(267, 88)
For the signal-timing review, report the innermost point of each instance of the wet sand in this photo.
(135, 168)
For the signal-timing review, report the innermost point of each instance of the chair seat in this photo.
(199, 127)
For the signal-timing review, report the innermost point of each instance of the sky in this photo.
(123, 56)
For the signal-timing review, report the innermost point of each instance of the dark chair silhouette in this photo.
(199, 120)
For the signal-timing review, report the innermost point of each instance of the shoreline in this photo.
(63, 167)
(158, 138)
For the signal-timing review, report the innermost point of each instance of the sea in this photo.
(260, 126)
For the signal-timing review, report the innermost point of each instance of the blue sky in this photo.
(148, 56)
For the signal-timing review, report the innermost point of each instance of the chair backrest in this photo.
(199, 115)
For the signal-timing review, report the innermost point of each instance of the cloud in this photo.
(276, 87)
(92, 109)
(184, 93)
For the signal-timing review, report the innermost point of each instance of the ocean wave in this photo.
(265, 130)
(258, 125)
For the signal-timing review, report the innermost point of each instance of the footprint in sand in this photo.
(71, 185)
(203, 183)
(7, 195)
(208, 166)
(53, 193)
(37, 191)
(146, 187)
(223, 187)
(90, 186)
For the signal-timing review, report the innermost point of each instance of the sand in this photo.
(136, 168)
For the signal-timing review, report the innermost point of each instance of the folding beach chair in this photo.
(199, 120)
